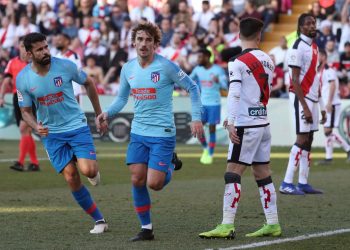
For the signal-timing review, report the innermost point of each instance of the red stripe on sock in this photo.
(91, 209)
(212, 144)
(143, 209)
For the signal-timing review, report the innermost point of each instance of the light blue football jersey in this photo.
(152, 89)
(210, 90)
(53, 95)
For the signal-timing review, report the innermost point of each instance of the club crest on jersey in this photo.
(155, 77)
(58, 81)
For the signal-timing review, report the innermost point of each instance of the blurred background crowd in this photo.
(99, 32)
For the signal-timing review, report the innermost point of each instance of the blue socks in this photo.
(142, 204)
(84, 199)
(212, 143)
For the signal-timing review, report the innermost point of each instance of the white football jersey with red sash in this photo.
(250, 75)
(304, 55)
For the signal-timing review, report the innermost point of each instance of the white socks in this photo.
(231, 198)
(269, 203)
(293, 163)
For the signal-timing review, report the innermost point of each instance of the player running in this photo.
(330, 94)
(150, 78)
(62, 125)
(250, 74)
(211, 78)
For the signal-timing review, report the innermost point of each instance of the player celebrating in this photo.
(303, 97)
(61, 124)
(211, 78)
(330, 94)
(250, 75)
(26, 143)
(150, 78)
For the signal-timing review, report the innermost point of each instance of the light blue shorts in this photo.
(211, 114)
(63, 147)
(156, 152)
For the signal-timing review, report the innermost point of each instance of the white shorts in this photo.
(254, 148)
(333, 117)
(301, 126)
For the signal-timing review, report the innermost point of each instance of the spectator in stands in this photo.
(61, 12)
(53, 26)
(125, 35)
(277, 82)
(269, 12)
(143, 10)
(192, 51)
(333, 58)
(345, 64)
(25, 27)
(231, 38)
(286, 6)
(325, 34)
(250, 10)
(165, 13)
(117, 18)
(85, 32)
(328, 6)
(345, 20)
(115, 57)
(175, 51)
(7, 32)
(167, 32)
(31, 12)
(183, 15)
(44, 14)
(95, 47)
(215, 31)
(226, 15)
(101, 11)
(107, 34)
(111, 82)
(238, 6)
(317, 12)
(202, 19)
(95, 72)
(279, 52)
(69, 26)
(84, 9)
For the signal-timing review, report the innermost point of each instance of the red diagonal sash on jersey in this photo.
(3, 38)
(258, 71)
(309, 77)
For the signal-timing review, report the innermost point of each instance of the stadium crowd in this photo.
(100, 32)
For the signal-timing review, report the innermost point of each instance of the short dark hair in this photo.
(33, 38)
(250, 27)
(65, 35)
(347, 44)
(301, 20)
(149, 28)
(205, 52)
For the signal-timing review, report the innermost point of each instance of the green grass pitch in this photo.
(37, 210)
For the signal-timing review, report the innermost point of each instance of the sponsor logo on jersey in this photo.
(155, 76)
(19, 96)
(144, 93)
(257, 111)
(51, 99)
(58, 81)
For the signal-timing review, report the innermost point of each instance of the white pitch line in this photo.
(297, 238)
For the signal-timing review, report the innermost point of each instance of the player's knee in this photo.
(91, 172)
(232, 178)
(72, 178)
(138, 181)
(156, 185)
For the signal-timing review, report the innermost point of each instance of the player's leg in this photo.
(328, 145)
(239, 156)
(34, 163)
(268, 200)
(337, 138)
(23, 144)
(302, 131)
(137, 160)
(305, 160)
(203, 139)
(213, 120)
(268, 197)
(61, 156)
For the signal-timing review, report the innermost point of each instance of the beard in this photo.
(45, 60)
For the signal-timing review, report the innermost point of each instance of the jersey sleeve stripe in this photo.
(235, 81)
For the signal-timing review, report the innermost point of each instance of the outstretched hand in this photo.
(102, 123)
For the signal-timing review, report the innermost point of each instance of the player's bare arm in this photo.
(330, 96)
(197, 129)
(29, 118)
(299, 93)
(4, 85)
(93, 96)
